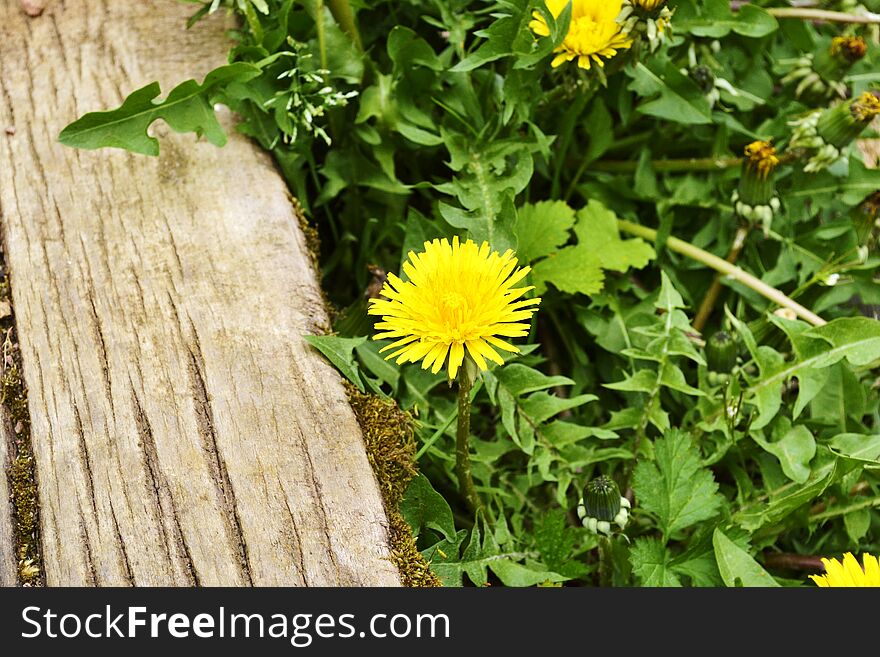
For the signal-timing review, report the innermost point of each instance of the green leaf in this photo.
(541, 228)
(676, 97)
(340, 352)
(652, 563)
(188, 108)
(718, 21)
(791, 496)
(737, 567)
(423, 507)
(520, 379)
(597, 230)
(675, 487)
(857, 447)
(574, 269)
(512, 573)
(795, 450)
(856, 339)
(555, 541)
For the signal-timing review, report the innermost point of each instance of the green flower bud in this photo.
(841, 124)
(757, 184)
(602, 499)
(721, 351)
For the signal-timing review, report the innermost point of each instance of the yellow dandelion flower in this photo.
(849, 572)
(593, 33)
(762, 158)
(457, 297)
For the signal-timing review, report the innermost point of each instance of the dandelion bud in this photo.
(755, 199)
(840, 125)
(824, 133)
(704, 78)
(848, 49)
(721, 353)
(602, 505)
(646, 19)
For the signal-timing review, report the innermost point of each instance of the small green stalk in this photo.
(342, 12)
(606, 562)
(462, 441)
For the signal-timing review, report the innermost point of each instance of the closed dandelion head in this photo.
(601, 505)
(849, 572)
(458, 299)
(849, 49)
(594, 34)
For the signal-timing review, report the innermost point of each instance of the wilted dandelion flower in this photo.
(849, 572)
(459, 297)
(593, 34)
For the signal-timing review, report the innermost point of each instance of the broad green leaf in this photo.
(555, 541)
(541, 228)
(856, 339)
(188, 108)
(675, 487)
(512, 573)
(375, 363)
(857, 447)
(340, 352)
(788, 498)
(795, 450)
(597, 230)
(737, 567)
(857, 524)
(716, 20)
(574, 269)
(652, 563)
(423, 507)
(520, 379)
(673, 96)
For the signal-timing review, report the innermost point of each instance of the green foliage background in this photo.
(442, 117)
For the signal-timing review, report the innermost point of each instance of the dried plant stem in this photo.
(809, 14)
(725, 268)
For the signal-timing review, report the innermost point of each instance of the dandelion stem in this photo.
(606, 562)
(462, 441)
(711, 298)
(823, 15)
(730, 271)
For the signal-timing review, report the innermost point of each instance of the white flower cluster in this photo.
(308, 96)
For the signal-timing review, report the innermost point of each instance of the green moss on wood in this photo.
(391, 448)
(21, 472)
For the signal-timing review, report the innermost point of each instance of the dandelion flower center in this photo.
(593, 34)
(459, 299)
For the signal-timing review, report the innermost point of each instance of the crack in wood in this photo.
(219, 473)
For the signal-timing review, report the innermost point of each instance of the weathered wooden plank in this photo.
(183, 432)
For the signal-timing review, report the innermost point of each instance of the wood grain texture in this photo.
(183, 432)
